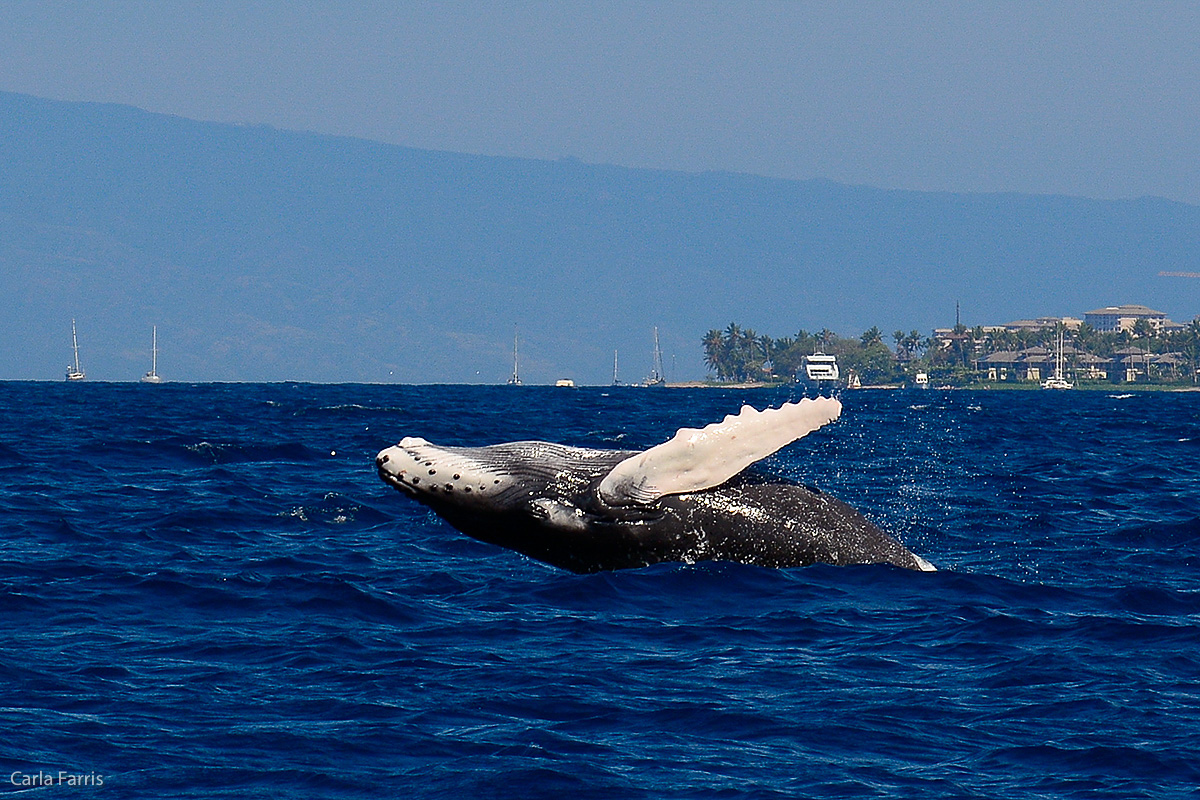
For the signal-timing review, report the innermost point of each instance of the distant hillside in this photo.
(266, 255)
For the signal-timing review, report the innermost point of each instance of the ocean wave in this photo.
(219, 599)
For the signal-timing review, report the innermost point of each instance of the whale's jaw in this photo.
(537, 498)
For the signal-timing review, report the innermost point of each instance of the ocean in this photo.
(205, 591)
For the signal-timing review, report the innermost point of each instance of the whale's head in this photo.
(447, 475)
(496, 478)
(500, 493)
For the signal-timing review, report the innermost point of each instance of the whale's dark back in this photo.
(751, 519)
(770, 522)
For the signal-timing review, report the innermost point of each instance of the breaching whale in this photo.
(693, 498)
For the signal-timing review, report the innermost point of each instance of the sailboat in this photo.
(1057, 381)
(515, 380)
(152, 375)
(75, 372)
(656, 371)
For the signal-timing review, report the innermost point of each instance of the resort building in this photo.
(1021, 351)
(945, 337)
(1033, 364)
(1042, 323)
(1122, 318)
(1030, 364)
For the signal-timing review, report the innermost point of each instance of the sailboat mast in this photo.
(615, 381)
(74, 373)
(152, 375)
(75, 344)
(1062, 356)
(658, 366)
(515, 380)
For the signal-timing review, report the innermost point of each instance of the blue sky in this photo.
(1092, 98)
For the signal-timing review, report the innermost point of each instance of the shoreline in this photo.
(745, 385)
(896, 387)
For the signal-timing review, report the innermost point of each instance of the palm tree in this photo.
(736, 353)
(713, 351)
(914, 344)
(767, 347)
(1142, 329)
(1191, 345)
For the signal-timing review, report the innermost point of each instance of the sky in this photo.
(1097, 99)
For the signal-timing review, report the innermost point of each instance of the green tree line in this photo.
(742, 354)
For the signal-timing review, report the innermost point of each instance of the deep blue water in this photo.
(206, 592)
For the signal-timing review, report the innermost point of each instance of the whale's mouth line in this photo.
(396, 482)
(395, 479)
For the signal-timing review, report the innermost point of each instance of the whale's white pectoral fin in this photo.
(696, 459)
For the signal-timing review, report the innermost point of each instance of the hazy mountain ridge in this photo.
(268, 254)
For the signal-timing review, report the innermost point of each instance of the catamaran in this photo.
(152, 375)
(75, 372)
(1057, 381)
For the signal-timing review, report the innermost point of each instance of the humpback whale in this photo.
(695, 497)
